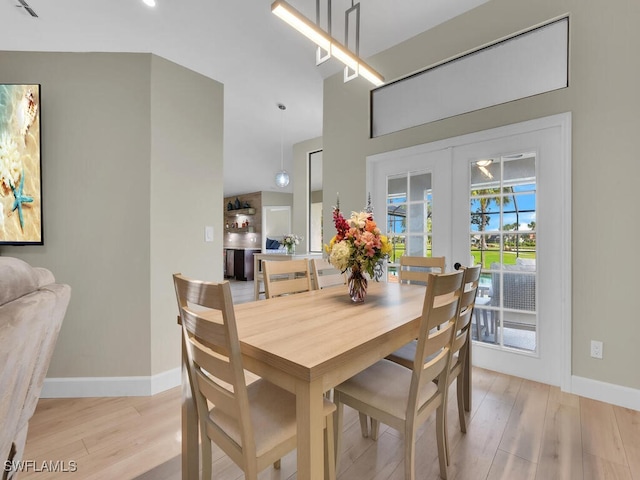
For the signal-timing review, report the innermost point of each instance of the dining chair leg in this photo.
(364, 424)
(369, 431)
(207, 461)
(409, 453)
(250, 471)
(460, 392)
(446, 435)
(329, 453)
(441, 439)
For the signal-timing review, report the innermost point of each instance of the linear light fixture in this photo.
(310, 30)
(26, 6)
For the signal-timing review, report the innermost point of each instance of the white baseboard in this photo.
(606, 392)
(110, 386)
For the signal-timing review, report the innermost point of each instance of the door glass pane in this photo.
(520, 170)
(417, 218)
(417, 246)
(502, 225)
(485, 249)
(420, 187)
(485, 175)
(409, 222)
(397, 188)
(396, 219)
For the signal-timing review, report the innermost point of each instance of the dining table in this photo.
(308, 343)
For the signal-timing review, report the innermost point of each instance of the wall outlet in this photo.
(596, 349)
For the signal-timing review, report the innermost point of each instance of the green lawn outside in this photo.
(489, 256)
(493, 256)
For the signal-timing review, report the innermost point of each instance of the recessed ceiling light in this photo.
(150, 3)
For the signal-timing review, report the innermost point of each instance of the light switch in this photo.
(208, 234)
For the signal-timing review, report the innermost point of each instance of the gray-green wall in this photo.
(131, 167)
(604, 100)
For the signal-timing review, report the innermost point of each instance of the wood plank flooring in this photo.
(517, 429)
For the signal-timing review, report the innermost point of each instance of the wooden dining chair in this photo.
(415, 269)
(326, 275)
(255, 424)
(405, 355)
(402, 398)
(286, 277)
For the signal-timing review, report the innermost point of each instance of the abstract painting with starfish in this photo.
(20, 165)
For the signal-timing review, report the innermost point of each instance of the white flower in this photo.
(291, 239)
(358, 219)
(339, 256)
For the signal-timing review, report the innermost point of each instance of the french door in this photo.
(498, 198)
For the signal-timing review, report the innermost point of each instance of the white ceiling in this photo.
(260, 60)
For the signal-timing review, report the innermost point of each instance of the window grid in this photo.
(506, 305)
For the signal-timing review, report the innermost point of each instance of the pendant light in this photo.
(354, 65)
(282, 177)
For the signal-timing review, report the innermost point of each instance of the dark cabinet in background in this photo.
(229, 270)
(239, 263)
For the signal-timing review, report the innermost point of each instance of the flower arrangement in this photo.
(358, 244)
(290, 241)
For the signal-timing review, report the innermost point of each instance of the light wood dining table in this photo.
(308, 343)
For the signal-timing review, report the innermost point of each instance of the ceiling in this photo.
(260, 60)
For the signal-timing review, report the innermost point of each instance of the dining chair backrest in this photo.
(326, 275)
(286, 277)
(215, 362)
(437, 327)
(415, 269)
(471, 280)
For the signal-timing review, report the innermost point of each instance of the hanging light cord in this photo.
(283, 108)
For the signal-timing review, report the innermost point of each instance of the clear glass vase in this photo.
(357, 285)
(291, 248)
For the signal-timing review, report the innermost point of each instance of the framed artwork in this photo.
(20, 165)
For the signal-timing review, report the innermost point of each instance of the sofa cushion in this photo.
(17, 278)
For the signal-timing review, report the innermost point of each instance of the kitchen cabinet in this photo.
(239, 263)
(229, 263)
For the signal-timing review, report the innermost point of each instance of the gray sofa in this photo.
(32, 307)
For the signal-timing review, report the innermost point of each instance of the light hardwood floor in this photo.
(517, 429)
